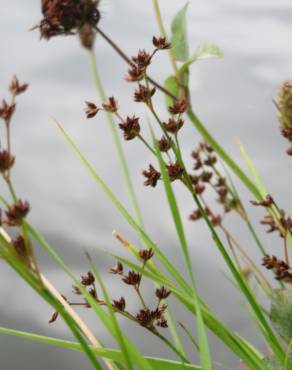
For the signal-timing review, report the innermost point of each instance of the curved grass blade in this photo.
(114, 355)
(119, 334)
(205, 356)
(47, 296)
(146, 239)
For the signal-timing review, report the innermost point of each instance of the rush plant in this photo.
(211, 173)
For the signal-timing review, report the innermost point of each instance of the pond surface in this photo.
(233, 97)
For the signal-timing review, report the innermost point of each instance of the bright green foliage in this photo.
(281, 313)
(179, 41)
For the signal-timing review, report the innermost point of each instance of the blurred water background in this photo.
(233, 97)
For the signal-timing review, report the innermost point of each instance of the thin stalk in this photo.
(146, 144)
(129, 61)
(164, 34)
(170, 345)
(119, 149)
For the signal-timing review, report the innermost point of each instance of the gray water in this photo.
(232, 96)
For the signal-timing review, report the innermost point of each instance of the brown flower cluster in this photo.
(281, 269)
(15, 214)
(208, 174)
(92, 109)
(282, 223)
(152, 176)
(140, 63)
(65, 17)
(146, 317)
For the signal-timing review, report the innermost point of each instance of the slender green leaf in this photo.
(117, 356)
(34, 282)
(205, 356)
(119, 334)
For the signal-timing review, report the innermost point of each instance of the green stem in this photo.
(119, 149)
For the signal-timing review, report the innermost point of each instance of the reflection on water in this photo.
(234, 98)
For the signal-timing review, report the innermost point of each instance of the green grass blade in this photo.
(115, 355)
(205, 356)
(117, 142)
(116, 325)
(47, 296)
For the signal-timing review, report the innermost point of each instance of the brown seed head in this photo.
(135, 74)
(206, 176)
(268, 202)
(164, 144)
(162, 323)
(145, 317)
(173, 125)
(210, 161)
(161, 43)
(111, 105)
(6, 110)
(133, 278)
(91, 109)
(143, 95)
(152, 176)
(216, 220)
(88, 279)
(175, 171)
(16, 213)
(146, 254)
(142, 60)
(199, 189)
(64, 17)
(6, 161)
(162, 293)
(179, 107)
(120, 305)
(16, 88)
(195, 216)
(130, 127)
(118, 269)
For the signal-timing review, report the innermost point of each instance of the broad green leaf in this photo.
(179, 42)
(204, 51)
(171, 85)
(281, 313)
